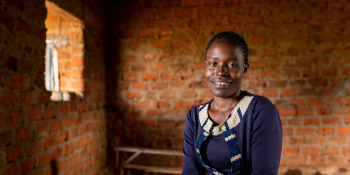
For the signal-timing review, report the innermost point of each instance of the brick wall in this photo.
(38, 136)
(299, 59)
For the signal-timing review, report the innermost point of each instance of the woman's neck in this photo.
(227, 104)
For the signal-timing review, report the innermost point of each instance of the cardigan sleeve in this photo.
(266, 143)
(191, 165)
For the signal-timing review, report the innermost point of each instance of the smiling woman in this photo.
(236, 132)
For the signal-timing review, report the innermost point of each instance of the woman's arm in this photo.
(191, 165)
(266, 143)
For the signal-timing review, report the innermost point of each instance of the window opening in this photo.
(64, 64)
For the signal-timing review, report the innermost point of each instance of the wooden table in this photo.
(137, 151)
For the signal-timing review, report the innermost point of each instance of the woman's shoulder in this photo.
(260, 101)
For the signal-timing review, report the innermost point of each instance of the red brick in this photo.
(14, 117)
(319, 82)
(14, 153)
(62, 137)
(192, 2)
(297, 102)
(35, 148)
(25, 99)
(159, 85)
(198, 84)
(27, 165)
(161, 104)
(163, 142)
(259, 41)
(175, 43)
(270, 73)
(304, 111)
(134, 113)
(62, 165)
(48, 113)
(287, 112)
(43, 98)
(290, 92)
(21, 26)
(344, 16)
(81, 143)
(296, 141)
(173, 132)
(56, 125)
(130, 77)
(325, 131)
(270, 93)
(145, 33)
(258, 83)
(304, 131)
(150, 76)
(7, 21)
(67, 122)
(137, 85)
(11, 171)
(33, 114)
(189, 94)
(5, 138)
(78, 168)
(183, 11)
(330, 151)
(323, 111)
(166, 123)
(182, 104)
(310, 151)
(154, 112)
(296, 160)
(226, 11)
(129, 123)
(346, 71)
(16, 81)
(140, 104)
(147, 122)
(344, 131)
(317, 160)
(312, 121)
(169, 75)
(50, 141)
(294, 121)
(133, 95)
(290, 151)
(68, 149)
(258, 64)
(333, 120)
(168, 95)
(44, 159)
(159, 66)
(160, 43)
(269, 52)
(7, 100)
(139, 67)
(315, 102)
(23, 133)
(206, 10)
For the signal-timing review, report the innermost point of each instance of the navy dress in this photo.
(248, 142)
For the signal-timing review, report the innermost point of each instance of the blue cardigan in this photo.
(248, 142)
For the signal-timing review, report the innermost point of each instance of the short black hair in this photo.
(231, 36)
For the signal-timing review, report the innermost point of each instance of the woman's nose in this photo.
(221, 70)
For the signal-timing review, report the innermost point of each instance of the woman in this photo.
(236, 132)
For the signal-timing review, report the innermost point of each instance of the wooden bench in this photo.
(137, 151)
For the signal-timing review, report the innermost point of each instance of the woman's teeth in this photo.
(220, 83)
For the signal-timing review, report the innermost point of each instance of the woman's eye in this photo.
(232, 65)
(212, 64)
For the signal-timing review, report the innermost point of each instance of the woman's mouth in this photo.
(221, 83)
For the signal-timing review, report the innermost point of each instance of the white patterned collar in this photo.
(236, 115)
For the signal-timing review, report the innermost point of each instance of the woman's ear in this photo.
(205, 63)
(246, 66)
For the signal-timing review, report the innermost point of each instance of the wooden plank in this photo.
(64, 14)
(153, 169)
(150, 151)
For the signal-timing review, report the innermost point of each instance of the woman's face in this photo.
(224, 68)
